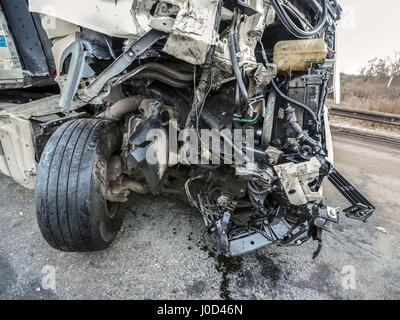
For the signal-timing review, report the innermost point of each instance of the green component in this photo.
(247, 120)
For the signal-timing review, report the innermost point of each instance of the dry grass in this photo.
(370, 95)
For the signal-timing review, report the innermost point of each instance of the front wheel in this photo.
(72, 211)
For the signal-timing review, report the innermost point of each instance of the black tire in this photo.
(72, 212)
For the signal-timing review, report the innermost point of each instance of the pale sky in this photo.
(368, 29)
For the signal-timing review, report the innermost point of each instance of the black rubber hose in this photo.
(236, 69)
(293, 28)
(292, 101)
(302, 135)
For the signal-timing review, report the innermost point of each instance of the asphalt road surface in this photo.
(160, 253)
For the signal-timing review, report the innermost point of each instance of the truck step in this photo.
(361, 208)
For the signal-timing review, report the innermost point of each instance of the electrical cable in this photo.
(247, 120)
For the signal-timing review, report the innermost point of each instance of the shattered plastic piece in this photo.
(380, 229)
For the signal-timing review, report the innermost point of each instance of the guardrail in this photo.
(366, 137)
(380, 117)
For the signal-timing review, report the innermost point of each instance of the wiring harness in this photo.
(292, 27)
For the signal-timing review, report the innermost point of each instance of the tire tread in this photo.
(64, 185)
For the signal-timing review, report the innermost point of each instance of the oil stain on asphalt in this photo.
(227, 266)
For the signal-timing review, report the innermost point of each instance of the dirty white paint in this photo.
(10, 67)
(18, 159)
(295, 179)
(193, 32)
(110, 17)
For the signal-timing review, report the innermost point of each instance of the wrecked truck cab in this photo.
(220, 101)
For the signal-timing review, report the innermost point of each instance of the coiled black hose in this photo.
(293, 28)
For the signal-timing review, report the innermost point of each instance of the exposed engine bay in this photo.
(221, 102)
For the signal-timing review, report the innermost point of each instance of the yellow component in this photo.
(297, 55)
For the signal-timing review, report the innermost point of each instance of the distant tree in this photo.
(382, 69)
(396, 66)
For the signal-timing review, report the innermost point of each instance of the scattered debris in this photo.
(380, 229)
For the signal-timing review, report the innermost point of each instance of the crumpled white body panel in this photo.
(192, 33)
(110, 17)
